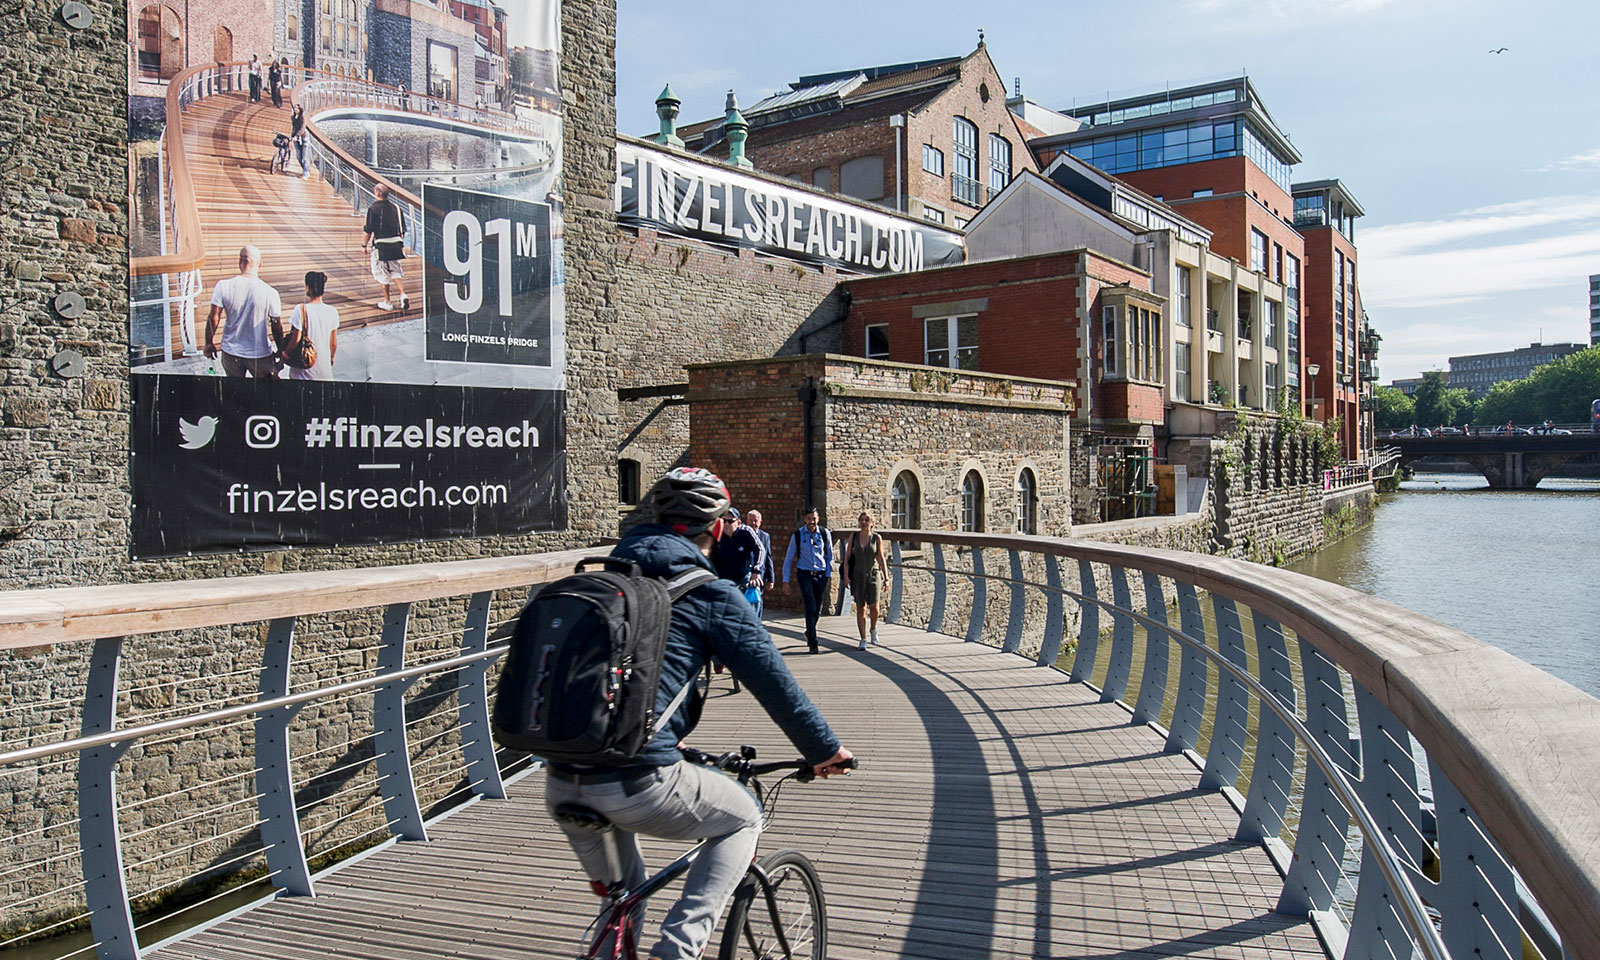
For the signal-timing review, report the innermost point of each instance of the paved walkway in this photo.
(999, 812)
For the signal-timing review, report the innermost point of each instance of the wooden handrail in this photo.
(191, 252)
(1522, 746)
(32, 618)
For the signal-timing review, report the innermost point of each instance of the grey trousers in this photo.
(685, 802)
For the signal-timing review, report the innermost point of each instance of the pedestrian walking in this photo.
(767, 575)
(243, 306)
(318, 322)
(863, 565)
(386, 247)
(254, 71)
(810, 556)
(275, 83)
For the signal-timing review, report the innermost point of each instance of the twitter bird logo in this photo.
(197, 435)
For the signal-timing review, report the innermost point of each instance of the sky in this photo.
(1479, 172)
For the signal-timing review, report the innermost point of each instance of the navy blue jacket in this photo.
(737, 555)
(714, 620)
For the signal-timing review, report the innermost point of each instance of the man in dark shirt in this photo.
(386, 247)
(738, 554)
(661, 795)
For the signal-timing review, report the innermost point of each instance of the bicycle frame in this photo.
(616, 917)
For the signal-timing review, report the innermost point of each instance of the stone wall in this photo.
(64, 497)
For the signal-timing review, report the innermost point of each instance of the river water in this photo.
(1517, 569)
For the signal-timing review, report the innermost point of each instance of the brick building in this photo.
(164, 38)
(931, 138)
(1337, 340)
(1074, 315)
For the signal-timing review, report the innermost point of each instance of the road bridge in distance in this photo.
(1516, 462)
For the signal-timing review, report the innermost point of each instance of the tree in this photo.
(1463, 405)
(1434, 403)
(1560, 391)
(1395, 409)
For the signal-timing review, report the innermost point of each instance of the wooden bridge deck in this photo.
(999, 812)
(299, 225)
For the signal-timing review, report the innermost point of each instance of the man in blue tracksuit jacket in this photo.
(661, 795)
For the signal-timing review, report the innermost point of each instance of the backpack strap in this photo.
(677, 587)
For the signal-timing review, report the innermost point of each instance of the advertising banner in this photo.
(347, 283)
(714, 202)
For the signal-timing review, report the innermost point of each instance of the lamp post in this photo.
(1312, 369)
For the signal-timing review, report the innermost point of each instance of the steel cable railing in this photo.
(1417, 888)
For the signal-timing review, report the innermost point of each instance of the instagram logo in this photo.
(261, 433)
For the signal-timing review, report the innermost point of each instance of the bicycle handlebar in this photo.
(743, 764)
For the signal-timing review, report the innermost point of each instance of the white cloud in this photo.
(1576, 162)
(1299, 10)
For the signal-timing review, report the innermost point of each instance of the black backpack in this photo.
(584, 665)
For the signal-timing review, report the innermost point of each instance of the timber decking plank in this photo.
(979, 824)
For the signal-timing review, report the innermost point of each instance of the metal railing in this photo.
(1285, 667)
(1499, 861)
(1345, 476)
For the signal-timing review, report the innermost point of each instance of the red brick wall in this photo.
(935, 126)
(1121, 400)
(1317, 334)
(797, 158)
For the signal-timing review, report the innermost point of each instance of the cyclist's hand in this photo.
(834, 765)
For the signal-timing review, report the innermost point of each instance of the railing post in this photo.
(472, 702)
(1190, 709)
(1319, 842)
(1088, 625)
(1019, 606)
(280, 821)
(1120, 664)
(1054, 613)
(980, 598)
(1477, 891)
(936, 617)
(99, 837)
(896, 583)
(1272, 774)
(395, 783)
(1388, 789)
(1226, 755)
(1153, 682)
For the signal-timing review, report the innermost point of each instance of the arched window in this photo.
(160, 43)
(628, 482)
(1027, 503)
(964, 177)
(972, 502)
(905, 502)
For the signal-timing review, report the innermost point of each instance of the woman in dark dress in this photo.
(275, 81)
(863, 566)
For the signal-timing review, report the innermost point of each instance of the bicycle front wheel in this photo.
(782, 919)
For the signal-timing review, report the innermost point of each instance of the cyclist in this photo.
(663, 796)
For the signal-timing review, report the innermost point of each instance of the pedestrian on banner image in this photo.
(254, 70)
(386, 247)
(638, 783)
(864, 569)
(810, 556)
(275, 83)
(767, 575)
(243, 306)
(318, 323)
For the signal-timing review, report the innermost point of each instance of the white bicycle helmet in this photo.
(690, 500)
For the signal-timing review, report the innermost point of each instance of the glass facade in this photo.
(1182, 143)
(1162, 107)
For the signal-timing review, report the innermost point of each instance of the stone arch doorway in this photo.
(222, 45)
(160, 48)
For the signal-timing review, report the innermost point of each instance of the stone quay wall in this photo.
(64, 497)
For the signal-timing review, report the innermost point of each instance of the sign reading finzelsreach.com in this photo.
(347, 320)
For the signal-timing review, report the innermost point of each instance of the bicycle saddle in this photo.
(581, 816)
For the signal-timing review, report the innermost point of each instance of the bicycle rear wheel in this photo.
(785, 919)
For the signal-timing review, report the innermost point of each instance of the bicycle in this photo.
(280, 160)
(790, 922)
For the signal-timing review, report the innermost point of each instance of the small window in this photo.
(1027, 503)
(628, 482)
(1108, 318)
(1185, 298)
(822, 178)
(1258, 251)
(999, 163)
(862, 178)
(933, 160)
(905, 502)
(951, 342)
(972, 502)
(878, 341)
(933, 215)
(1203, 193)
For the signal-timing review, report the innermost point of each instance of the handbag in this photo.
(295, 349)
(752, 595)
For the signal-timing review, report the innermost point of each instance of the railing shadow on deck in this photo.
(1319, 705)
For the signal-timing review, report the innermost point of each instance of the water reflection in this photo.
(1518, 569)
(396, 146)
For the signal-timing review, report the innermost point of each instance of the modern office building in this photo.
(1406, 385)
(1213, 153)
(1594, 309)
(1337, 342)
(931, 138)
(1480, 371)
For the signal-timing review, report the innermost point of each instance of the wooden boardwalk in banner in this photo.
(299, 225)
(999, 812)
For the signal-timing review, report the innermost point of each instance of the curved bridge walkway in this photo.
(1000, 812)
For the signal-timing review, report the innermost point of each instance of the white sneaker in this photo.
(384, 305)
(874, 636)
(863, 643)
